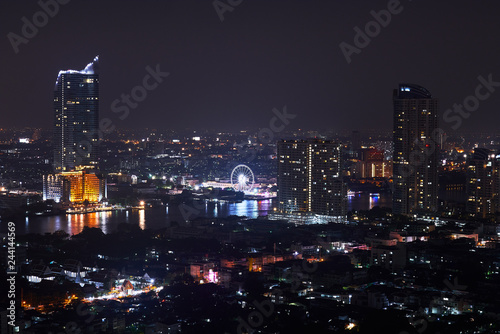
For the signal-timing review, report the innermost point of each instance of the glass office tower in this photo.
(76, 111)
(416, 150)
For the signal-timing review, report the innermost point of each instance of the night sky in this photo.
(230, 74)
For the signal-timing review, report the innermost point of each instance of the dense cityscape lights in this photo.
(240, 167)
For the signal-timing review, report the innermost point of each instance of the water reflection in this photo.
(366, 201)
(156, 218)
(81, 223)
(142, 219)
(103, 220)
(373, 201)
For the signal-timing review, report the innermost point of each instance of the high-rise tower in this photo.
(77, 180)
(76, 111)
(310, 178)
(416, 150)
(482, 186)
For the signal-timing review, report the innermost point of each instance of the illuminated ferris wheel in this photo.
(242, 178)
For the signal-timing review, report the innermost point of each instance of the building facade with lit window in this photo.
(416, 150)
(76, 137)
(53, 187)
(76, 118)
(75, 187)
(310, 178)
(482, 183)
(372, 164)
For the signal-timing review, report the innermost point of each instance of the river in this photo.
(156, 218)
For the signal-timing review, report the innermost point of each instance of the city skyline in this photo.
(241, 166)
(305, 67)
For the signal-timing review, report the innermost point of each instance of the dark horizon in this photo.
(232, 73)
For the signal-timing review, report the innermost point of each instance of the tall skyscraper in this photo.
(76, 111)
(416, 150)
(310, 178)
(482, 185)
